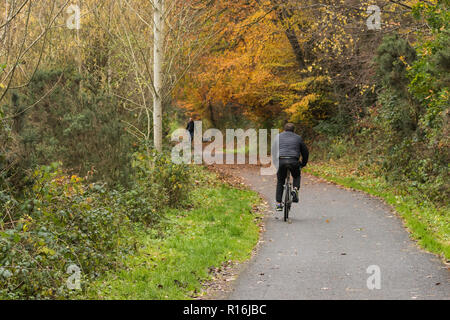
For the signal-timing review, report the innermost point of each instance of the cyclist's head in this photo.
(289, 127)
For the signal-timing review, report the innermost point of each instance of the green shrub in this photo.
(161, 182)
(84, 129)
(62, 222)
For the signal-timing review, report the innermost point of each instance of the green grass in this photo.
(173, 260)
(429, 225)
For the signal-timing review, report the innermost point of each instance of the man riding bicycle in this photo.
(288, 147)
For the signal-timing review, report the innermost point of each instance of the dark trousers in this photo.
(192, 135)
(294, 167)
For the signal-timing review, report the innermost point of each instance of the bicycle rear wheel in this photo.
(287, 199)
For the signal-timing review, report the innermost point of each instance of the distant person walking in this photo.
(190, 127)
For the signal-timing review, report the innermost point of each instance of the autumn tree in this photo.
(313, 59)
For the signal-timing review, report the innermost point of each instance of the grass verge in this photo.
(429, 225)
(173, 260)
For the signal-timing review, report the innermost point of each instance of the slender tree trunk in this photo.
(80, 59)
(108, 61)
(158, 52)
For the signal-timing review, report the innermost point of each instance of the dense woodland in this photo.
(86, 114)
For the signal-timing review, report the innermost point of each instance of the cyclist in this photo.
(288, 147)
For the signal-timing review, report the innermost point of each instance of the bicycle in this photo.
(288, 189)
(287, 195)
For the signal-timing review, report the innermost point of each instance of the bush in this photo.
(62, 222)
(158, 182)
(85, 130)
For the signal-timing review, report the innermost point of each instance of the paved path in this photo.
(334, 236)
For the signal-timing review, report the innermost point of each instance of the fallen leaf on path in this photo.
(275, 267)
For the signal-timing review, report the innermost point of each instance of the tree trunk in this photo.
(211, 114)
(293, 40)
(283, 15)
(79, 55)
(158, 50)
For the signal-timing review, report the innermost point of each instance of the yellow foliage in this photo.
(298, 110)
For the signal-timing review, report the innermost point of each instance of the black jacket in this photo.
(289, 144)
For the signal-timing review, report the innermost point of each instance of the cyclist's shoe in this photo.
(295, 196)
(279, 207)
